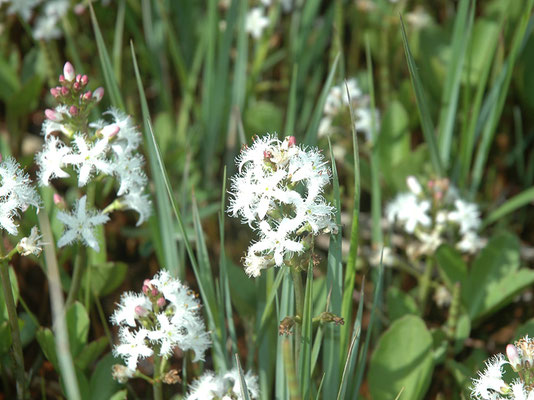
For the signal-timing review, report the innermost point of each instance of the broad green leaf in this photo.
(120, 395)
(45, 338)
(402, 359)
(495, 277)
(400, 303)
(91, 352)
(77, 327)
(106, 277)
(451, 266)
(102, 385)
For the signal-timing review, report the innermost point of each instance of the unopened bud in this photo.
(172, 377)
(161, 302)
(54, 92)
(513, 356)
(110, 131)
(52, 115)
(61, 78)
(68, 72)
(121, 373)
(98, 94)
(64, 91)
(84, 80)
(291, 140)
(154, 292)
(58, 199)
(79, 9)
(73, 110)
(78, 77)
(413, 185)
(87, 95)
(76, 86)
(141, 311)
(145, 289)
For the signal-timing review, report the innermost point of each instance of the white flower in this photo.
(255, 264)
(414, 185)
(8, 210)
(207, 387)
(490, 382)
(140, 203)
(129, 169)
(31, 244)
(256, 22)
(133, 346)
(520, 392)
(471, 242)
(23, 7)
(466, 215)
(333, 101)
(364, 122)
(51, 159)
(16, 184)
(325, 126)
(276, 241)
(409, 211)
(121, 373)
(251, 382)
(167, 335)
(89, 159)
(80, 224)
(128, 138)
(128, 308)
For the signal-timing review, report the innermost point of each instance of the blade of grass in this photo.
(311, 134)
(107, 68)
(292, 103)
(166, 234)
(521, 34)
(306, 346)
(451, 88)
(350, 269)
(281, 389)
(334, 283)
(59, 325)
(243, 386)
(117, 41)
(422, 106)
(520, 200)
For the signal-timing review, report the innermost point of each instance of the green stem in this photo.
(291, 373)
(15, 333)
(79, 267)
(425, 284)
(157, 386)
(299, 305)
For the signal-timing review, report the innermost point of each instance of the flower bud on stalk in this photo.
(68, 72)
(98, 94)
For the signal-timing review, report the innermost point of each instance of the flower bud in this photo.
(79, 9)
(73, 110)
(87, 95)
(76, 86)
(145, 289)
(513, 356)
(161, 302)
(54, 92)
(98, 94)
(64, 91)
(78, 77)
(110, 131)
(154, 292)
(291, 140)
(61, 78)
(414, 185)
(141, 311)
(58, 200)
(68, 72)
(84, 80)
(53, 115)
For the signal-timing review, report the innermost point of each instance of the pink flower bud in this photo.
(68, 72)
(54, 92)
(513, 356)
(147, 282)
(145, 289)
(58, 199)
(52, 115)
(61, 78)
(78, 77)
(79, 9)
(141, 311)
(155, 292)
(64, 91)
(291, 140)
(87, 95)
(84, 80)
(161, 302)
(73, 110)
(413, 185)
(76, 86)
(98, 94)
(110, 131)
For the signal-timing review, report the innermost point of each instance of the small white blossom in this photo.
(490, 381)
(407, 210)
(51, 160)
(31, 244)
(221, 387)
(364, 122)
(128, 308)
(139, 202)
(251, 381)
(466, 215)
(471, 242)
(134, 345)
(256, 22)
(207, 387)
(80, 224)
(166, 334)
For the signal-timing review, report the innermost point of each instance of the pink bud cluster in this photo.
(71, 93)
(155, 296)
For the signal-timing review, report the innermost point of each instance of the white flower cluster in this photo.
(223, 387)
(164, 316)
(256, 20)
(432, 213)
(490, 384)
(96, 149)
(16, 194)
(278, 192)
(336, 104)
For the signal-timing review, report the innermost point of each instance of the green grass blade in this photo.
(244, 389)
(289, 128)
(500, 92)
(451, 88)
(107, 68)
(350, 269)
(267, 311)
(61, 336)
(306, 346)
(422, 106)
(334, 284)
(520, 200)
(311, 134)
(281, 389)
(165, 226)
(117, 41)
(363, 353)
